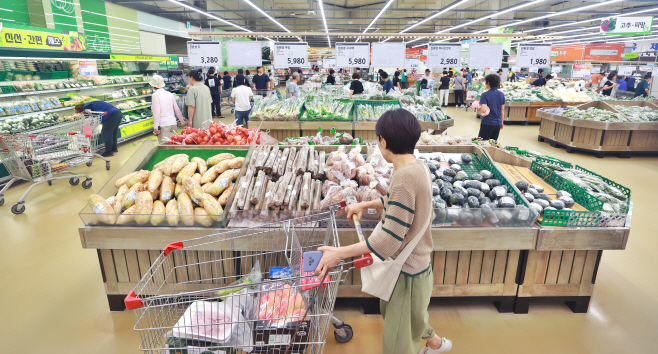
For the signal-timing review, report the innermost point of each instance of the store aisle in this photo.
(52, 286)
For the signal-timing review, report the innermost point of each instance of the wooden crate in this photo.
(534, 106)
(562, 275)
(644, 140)
(547, 128)
(280, 130)
(365, 130)
(516, 110)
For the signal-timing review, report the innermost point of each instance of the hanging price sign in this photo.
(444, 55)
(205, 53)
(534, 55)
(352, 55)
(291, 54)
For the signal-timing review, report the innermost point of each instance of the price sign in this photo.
(444, 55)
(88, 67)
(412, 63)
(329, 63)
(581, 71)
(486, 55)
(291, 54)
(556, 69)
(534, 55)
(353, 54)
(626, 70)
(596, 69)
(534, 70)
(629, 26)
(204, 53)
(388, 55)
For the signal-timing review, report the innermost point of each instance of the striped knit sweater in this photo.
(407, 206)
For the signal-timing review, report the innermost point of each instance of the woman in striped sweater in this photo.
(406, 208)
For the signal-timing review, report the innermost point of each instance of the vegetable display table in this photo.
(279, 130)
(498, 264)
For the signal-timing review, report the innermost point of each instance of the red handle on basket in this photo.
(173, 246)
(132, 302)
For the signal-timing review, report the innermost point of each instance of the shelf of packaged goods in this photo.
(28, 93)
(135, 108)
(128, 98)
(33, 113)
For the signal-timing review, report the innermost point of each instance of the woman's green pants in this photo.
(405, 314)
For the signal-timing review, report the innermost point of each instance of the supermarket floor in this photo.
(53, 296)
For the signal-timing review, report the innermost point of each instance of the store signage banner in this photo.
(388, 55)
(629, 26)
(485, 55)
(136, 127)
(581, 71)
(172, 62)
(244, 53)
(626, 70)
(138, 57)
(88, 67)
(413, 63)
(291, 54)
(533, 55)
(204, 53)
(602, 51)
(19, 38)
(442, 55)
(353, 55)
(567, 52)
(419, 53)
(630, 55)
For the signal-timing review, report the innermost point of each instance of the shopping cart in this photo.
(44, 158)
(226, 94)
(242, 290)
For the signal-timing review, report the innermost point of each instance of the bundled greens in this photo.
(614, 200)
(595, 114)
(424, 113)
(271, 108)
(366, 112)
(638, 114)
(24, 124)
(327, 109)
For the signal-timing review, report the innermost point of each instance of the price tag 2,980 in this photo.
(291, 54)
(444, 55)
(204, 53)
(534, 55)
(352, 55)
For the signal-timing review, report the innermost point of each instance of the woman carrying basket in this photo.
(407, 210)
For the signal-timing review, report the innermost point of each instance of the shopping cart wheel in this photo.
(107, 165)
(343, 333)
(2, 201)
(89, 164)
(86, 184)
(18, 209)
(74, 181)
(50, 183)
(232, 110)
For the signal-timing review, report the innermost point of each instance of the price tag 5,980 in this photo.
(299, 61)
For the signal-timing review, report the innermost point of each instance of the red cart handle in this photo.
(364, 261)
(173, 246)
(132, 302)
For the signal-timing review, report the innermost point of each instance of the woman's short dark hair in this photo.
(195, 74)
(397, 73)
(79, 108)
(247, 72)
(647, 76)
(549, 76)
(400, 129)
(332, 71)
(493, 80)
(384, 75)
(225, 72)
(445, 72)
(356, 76)
(612, 75)
(450, 74)
(211, 70)
(240, 80)
(240, 71)
(540, 71)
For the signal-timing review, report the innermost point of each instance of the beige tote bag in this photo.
(380, 277)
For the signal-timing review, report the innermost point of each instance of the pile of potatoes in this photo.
(178, 190)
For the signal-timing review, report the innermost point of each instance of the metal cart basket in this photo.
(241, 291)
(44, 158)
(226, 94)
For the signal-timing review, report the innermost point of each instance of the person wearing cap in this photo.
(165, 110)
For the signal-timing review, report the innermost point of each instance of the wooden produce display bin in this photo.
(534, 106)
(279, 130)
(585, 135)
(310, 128)
(645, 138)
(516, 111)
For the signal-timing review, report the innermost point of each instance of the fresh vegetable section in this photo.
(271, 108)
(638, 114)
(217, 134)
(338, 138)
(327, 109)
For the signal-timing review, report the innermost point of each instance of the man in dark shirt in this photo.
(261, 81)
(630, 83)
(356, 87)
(542, 81)
(388, 85)
(642, 88)
(240, 74)
(227, 81)
(331, 80)
(214, 83)
(494, 101)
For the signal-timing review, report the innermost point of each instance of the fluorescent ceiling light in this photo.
(592, 20)
(568, 11)
(193, 8)
(324, 20)
(266, 15)
(379, 14)
(444, 10)
(493, 15)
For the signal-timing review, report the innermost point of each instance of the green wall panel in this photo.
(94, 22)
(19, 13)
(123, 29)
(36, 12)
(64, 15)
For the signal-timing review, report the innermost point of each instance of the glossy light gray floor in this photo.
(52, 297)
